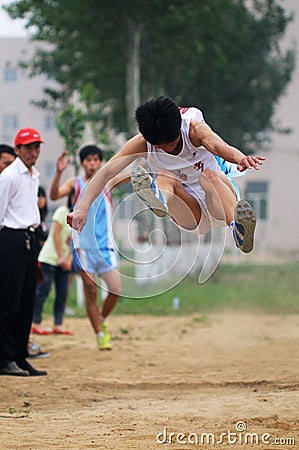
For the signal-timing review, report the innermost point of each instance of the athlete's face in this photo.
(91, 164)
(171, 147)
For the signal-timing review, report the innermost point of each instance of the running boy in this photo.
(94, 252)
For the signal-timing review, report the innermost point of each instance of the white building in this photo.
(17, 92)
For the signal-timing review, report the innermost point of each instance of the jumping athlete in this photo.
(189, 184)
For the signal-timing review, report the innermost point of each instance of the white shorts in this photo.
(207, 221)
(95, 261)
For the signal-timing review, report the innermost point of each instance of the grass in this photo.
(269, 289)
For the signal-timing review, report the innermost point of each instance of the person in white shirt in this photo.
(189, 185)
(55, 258)
(19, 217)
(7, 156)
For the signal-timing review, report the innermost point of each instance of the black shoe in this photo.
(12, 369)
(25, 365)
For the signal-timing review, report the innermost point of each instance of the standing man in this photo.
(94, 253)
(19, 216)
(7, 156)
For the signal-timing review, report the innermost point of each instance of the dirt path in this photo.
(185, 376)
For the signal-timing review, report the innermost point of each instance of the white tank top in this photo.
(191, 161)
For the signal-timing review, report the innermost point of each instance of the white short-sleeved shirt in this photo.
(18, 194)
(188, 166)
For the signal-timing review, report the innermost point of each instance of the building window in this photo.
(257, 194)
(10, 74)
(125, 207)
(10, 124)
(50, 122)
(50, 168)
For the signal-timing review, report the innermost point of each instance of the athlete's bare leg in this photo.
(185, 209)
(220, 195)
(182, 206)
(112, 280)
(91, 300)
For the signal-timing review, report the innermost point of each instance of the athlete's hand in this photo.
(250, 161)
(76, 220)
(62, 162)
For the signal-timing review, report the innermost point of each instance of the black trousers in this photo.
(18, 273)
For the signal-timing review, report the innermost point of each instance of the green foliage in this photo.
(269, 289)
(234, 73)
(221, 56)
(98, 116)
(70, 123)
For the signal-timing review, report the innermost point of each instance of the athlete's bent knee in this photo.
(167, 178)
(210, 177)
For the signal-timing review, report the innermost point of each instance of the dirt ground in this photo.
(224, 381)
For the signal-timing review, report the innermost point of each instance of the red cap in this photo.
(27, 136)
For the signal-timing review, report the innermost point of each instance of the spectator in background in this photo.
(7, 156)
(34, 350)
(94, 251)
(19, 217)
(56, 262)
(42, 230)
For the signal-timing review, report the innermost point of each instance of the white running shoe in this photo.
(147, 190)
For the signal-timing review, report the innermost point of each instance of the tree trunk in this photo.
(133, 84)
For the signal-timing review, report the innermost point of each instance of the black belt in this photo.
(30, 229)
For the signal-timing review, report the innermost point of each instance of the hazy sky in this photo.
(9, 27)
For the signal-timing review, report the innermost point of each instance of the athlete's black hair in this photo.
(159, 120)
(90, 150)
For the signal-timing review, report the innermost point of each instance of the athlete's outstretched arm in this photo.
(124, 176)
(215, 144)
(133, 149)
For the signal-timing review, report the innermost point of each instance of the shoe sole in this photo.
(15, 374)
(39, 355)
(245, 216)
(141, 183)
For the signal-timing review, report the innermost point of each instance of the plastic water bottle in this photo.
(176, 303)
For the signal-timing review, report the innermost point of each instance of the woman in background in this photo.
(42, 230)
(55, 260)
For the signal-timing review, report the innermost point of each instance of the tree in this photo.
(97, 116)
(70, 123)
(221, 56)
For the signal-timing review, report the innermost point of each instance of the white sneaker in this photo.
(147, 190)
